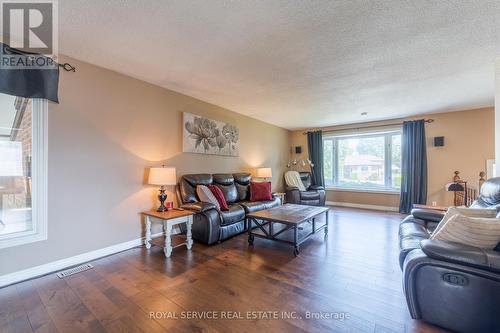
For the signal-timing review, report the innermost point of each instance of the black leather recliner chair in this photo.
(313, 195)
(211, 225)
(448, 284)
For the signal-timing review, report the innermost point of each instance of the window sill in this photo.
(21, 240)
(363, 190)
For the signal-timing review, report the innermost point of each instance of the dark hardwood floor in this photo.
(354, 273)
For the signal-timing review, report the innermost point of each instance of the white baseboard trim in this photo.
(362, 206)
(58, 265)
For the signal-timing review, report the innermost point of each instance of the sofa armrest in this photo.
(199, 207)
(427, 214)
(461, 254)
(292, 195)
(316, 188)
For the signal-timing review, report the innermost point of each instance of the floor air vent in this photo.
(74, 270)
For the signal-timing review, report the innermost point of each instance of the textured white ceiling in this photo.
(297, 63)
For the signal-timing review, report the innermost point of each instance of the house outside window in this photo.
(23, 178)
(363, 161)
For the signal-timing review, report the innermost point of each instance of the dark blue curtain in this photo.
(26, 82)
(315, 147)
(413, 166)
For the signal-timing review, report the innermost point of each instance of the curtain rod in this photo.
(66, 66)
(428, 121)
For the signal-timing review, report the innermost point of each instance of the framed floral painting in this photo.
(206, 136)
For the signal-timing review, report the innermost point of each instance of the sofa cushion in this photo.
(427, 214)
(412, 219)
(234, 214)
(229, 191)
(205, 195)
(255, 206)
(309, 195)
(219, 196)
(471, 212)
(411, 232)
(480, 232)
(431, 226)
(242, 183)
(188, 183)
(413, 229)
(252, 206)
(305, 176)
(260, 191)
(406, 245)
(225, 181)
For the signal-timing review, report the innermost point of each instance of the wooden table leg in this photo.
(296, 250)
(147, 240)
(326, 227)
(168, 239)
(250, 236)
(189, 234)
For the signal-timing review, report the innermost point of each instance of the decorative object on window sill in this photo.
(205, 136)
(264, 173)
(162, 176)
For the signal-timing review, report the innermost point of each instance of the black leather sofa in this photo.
(211, 225)
(313, 195)
(451, 285)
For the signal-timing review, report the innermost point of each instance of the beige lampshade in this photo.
(162, 176)
(264, 173)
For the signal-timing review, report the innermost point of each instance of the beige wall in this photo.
(469, 142)
(497, 115)
(106, 130)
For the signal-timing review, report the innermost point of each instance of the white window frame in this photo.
(387, 134)
(38, 180)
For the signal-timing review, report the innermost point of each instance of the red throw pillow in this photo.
(219, 196)
(260, 191)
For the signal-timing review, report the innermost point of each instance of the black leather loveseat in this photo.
(211, 225)
(448, 284)
(313, 195)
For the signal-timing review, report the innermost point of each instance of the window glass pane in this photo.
(361, 162)
(15, 165)
(396, 161)
(327, 161)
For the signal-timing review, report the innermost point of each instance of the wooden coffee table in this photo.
(290, 224)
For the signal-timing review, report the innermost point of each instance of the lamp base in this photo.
(162, 197)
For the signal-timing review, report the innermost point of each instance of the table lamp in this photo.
(162, 176)
(264, 173)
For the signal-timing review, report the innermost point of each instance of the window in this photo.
(23, 178)
(370, 161)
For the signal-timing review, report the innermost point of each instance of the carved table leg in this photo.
(168, 239)
(147, 240)
(189, 234)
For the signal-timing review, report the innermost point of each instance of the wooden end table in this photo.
(281, 196)
(168, 219)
